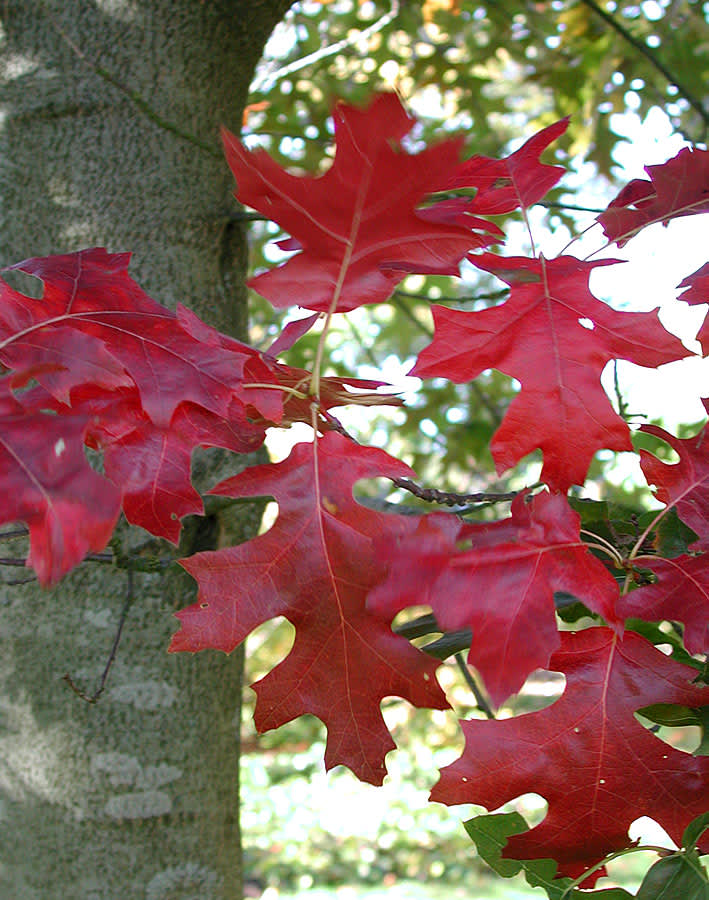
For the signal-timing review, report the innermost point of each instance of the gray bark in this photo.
(135, 796)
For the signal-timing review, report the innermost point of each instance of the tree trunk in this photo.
(109, 136)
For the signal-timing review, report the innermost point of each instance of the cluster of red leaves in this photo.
(97, 362)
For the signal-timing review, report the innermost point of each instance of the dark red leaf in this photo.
(598, 768)
(315, 567)
(46, 482)
(678, 187)
(357, 224)
(696, 293)
(519, 180)
(502, 587)
(681, 594)
(539, 336)
(152, 467)
(685, 484)
(117, 326)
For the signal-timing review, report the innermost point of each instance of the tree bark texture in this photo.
(109, 117)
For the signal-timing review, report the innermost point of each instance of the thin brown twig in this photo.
(450, 498)
(93, 698)
(483, 705)
(430, 495)
(13, 533)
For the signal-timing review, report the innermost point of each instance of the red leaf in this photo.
(678, 187)
(278, 394)
(47, 483)
(587, 755)
(291, 333)
(537, 336)
(151, 465)
(116, 327)
(315, 567)
(697, 285)
(502, 588)
(357, 224)
(683, 485)
(519, 180)
(680, 595)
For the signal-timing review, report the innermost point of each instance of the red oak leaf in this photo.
(291, 333)
(46, 482)
(149, 464)
(315, 567)
(696, 293)
(678, 187)
(152, 467)
(274, 393)
(519, 180)
(681, 594)
(118, 329)
(598, 768)
(685, 484)
(357, 225)
(502, 587)
(539, 336)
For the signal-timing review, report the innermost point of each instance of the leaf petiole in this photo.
(604, 546)
(662, 851)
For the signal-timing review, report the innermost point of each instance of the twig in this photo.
(450, 498)
(430, 495)
(93, 698)
(266, 82)
(11, 561)
(483, 705)
(570, 206)
(14, 533)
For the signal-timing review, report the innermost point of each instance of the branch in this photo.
(266, 82)
(449, 498)
(483, 705)
(654, 61)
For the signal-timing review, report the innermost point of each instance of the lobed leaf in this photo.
(315, 567)
(539, 336)
(356, 228)
(598, 768)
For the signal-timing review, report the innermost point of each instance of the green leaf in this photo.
(490, 834)
(677, 877)
(703, 748)
(694, 830)
(671, 715)
(673, 537)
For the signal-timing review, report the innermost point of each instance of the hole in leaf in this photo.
(270, 514)
(541, 689)
(647, 831)
(268, 645)
(630, 870)
(586, 323)
(28, 285)
(532, 807)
